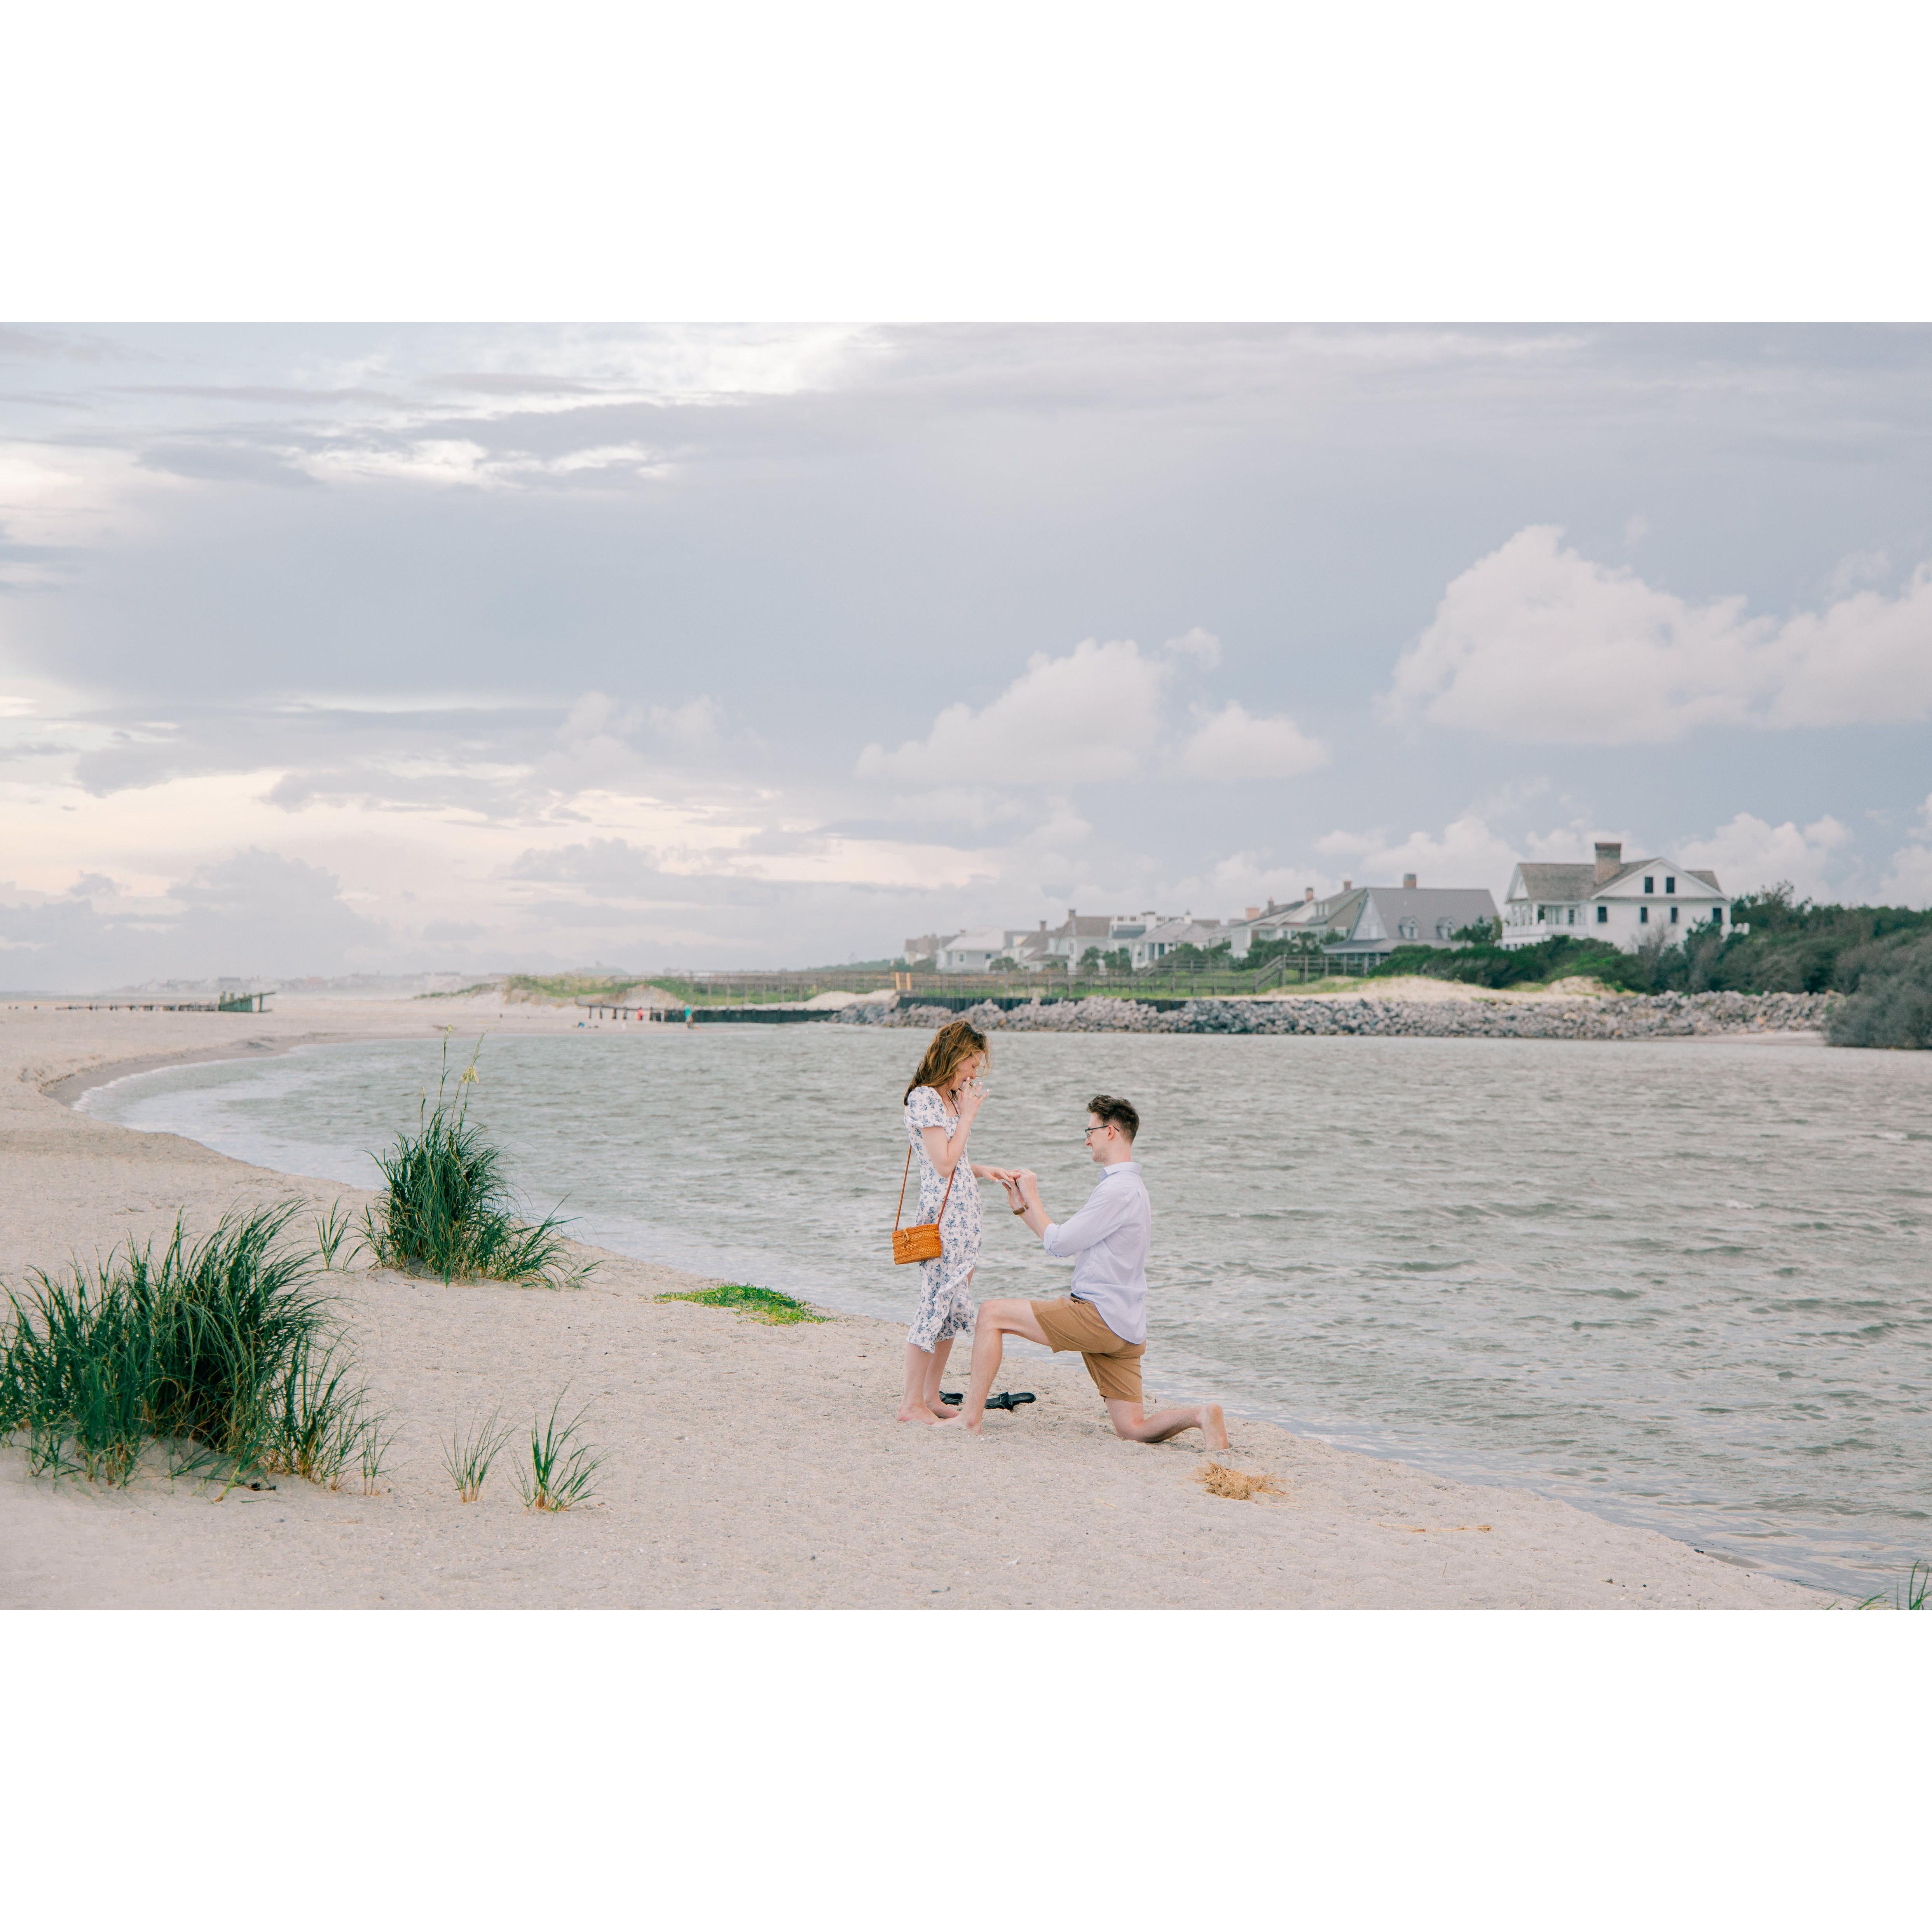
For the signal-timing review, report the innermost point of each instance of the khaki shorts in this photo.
(1115, 1365)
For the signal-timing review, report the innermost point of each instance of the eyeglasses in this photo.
(1090, 1132)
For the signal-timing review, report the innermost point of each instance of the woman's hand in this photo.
(970, 1095)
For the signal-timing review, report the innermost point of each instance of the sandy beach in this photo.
(742, 1464)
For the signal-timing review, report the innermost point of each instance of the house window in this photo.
(1643, 915)
(1673, 915)
(1408, 928)
(1572, 920)
(1716, 915)
(1670, 885)
(1603, 915)
(1443, 930)
(1650, 885)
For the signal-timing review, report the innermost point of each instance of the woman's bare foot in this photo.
(942, 1410)
(916, 1412)
(1213, 1425)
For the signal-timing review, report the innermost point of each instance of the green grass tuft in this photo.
(447, 1209)
(765, 1304)
(331, 1231)
(469, 1453)
(563, 1470)
(219, 1348)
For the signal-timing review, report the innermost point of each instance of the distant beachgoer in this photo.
(1104, 1315)
(941, 1105)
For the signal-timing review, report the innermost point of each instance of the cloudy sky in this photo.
(330, 650)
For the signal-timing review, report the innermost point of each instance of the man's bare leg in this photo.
(1132, 1426)
(996, 1319)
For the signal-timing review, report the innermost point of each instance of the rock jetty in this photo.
(1640, 1016)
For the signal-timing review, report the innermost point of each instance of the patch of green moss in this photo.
(763, 1304)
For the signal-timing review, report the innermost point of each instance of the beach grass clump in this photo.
(219, 1344)
(1237, 1485)
(469, 1453)
(331, 1230)
(315, 1424)
(762, 1304)
(563, 1470)
(447, 1210)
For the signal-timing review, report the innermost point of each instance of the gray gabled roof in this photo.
(1558, 882)
(1575, 884)
(1384, 908)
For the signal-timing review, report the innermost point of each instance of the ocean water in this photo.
(1687, 1285)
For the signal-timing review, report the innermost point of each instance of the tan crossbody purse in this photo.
(921, 1243)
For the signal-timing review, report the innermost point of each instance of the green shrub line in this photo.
(220, 1349)
(1879, 957)
(762, 1304)
(447, 1209)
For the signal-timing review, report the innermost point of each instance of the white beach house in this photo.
(1657, 900)
(1387, 916)
(1307, 913)
(1154, 943)
(1367, 923)
(973, 951)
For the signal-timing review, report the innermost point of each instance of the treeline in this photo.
(1880, 956)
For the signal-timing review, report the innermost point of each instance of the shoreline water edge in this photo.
(742, 1464)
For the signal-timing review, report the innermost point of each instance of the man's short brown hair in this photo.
(1109, 1109)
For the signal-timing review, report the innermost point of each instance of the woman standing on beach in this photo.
(940, 1106)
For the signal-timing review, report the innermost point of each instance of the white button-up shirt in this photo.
(1108, 1239)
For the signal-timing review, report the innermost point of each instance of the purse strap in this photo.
(900, 1209)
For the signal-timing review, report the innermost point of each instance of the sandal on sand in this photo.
(1010, 1398)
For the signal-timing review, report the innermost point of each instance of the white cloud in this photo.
(1863, 566)
(1536, 642)
(1197, 643)
(1230, 744)
(1092, 715)
(1909, 880)
(1097, 714)
(1747, 853)
(1467, 852)
(694, 725)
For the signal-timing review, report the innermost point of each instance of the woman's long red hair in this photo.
(955, 1041)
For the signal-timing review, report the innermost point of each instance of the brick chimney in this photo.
(1308, 895)
(1610, 861)
(1409, 882)
(1348, 885)
(1254, 912)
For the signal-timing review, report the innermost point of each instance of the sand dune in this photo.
(742, 1464)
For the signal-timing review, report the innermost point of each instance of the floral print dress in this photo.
(945, 1302)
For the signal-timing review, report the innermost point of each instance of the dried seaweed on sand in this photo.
(1218, 1480)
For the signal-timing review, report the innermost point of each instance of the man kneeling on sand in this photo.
(1104, 1316)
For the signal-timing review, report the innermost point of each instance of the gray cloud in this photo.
(646, 593)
